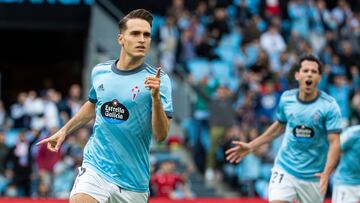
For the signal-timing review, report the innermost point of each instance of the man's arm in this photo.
(272, 132)
(331, 161)
(235, 154)
(333, 153)
(160, 122)
(85, 114)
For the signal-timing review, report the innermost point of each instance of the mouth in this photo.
(308, 82)
(140, 47)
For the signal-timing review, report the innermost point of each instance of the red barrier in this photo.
(152, 200)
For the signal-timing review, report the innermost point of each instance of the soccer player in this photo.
(129, 104)
(311, 122)
(347, 175)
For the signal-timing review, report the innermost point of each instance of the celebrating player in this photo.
(311, 120)
(130, 105)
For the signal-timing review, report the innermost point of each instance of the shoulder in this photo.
(353, 130)
(152, 70)
(327, 98)
(103, 67)
(289, 94)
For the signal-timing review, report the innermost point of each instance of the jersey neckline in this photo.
(122, 72)
(307, 102)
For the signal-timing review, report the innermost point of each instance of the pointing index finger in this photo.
(158, 72)
(42, 141)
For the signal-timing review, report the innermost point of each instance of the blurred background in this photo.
(229, 61)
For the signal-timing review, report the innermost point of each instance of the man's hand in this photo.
(54, 142)
(324, 181)
(153, 83)
(235, 154)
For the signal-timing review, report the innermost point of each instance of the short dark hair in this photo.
(138, 13)
(309, 57)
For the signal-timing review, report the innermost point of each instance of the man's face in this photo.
(308, 76)
(135, 39)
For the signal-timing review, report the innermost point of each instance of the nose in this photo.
(142, 39)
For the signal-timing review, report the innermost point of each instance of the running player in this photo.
(130, 105)
(311, 121)
(347, 176)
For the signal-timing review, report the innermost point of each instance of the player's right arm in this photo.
(85, 114)
(241, 149)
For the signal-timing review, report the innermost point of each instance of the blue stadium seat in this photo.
(199, 67)
(221, 70)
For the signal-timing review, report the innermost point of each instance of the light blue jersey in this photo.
(119, 148)
(305, 144)
(348, 171)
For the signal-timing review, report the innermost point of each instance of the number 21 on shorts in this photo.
(277, 177)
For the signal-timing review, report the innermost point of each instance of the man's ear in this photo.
(120, 39)
(296, 75)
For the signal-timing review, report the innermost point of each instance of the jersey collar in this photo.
(307, 102)
(130, 72)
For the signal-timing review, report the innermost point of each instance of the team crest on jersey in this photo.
(134, 92)
(114, 112)
(303, 133)
(316, 118)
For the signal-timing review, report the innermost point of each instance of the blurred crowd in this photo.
(238, 56)
(30, 170)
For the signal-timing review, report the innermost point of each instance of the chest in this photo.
(305, 114)
(128, 89)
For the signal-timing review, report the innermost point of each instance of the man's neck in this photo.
(308, 97)
(127, 63)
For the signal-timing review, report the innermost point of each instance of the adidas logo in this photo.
(101, 88)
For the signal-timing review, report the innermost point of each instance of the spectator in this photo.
(348, 58)
(219, 26)
(64, 176)
(74, 101)
(168, 183)
(267, 102)
(298, 13)
(199, 141)
(45, 160)
(273, 44)
(221, 119)
(19, 160)
(18, 113)
(169, 36)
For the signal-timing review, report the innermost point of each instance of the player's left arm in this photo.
(334, 128)
(331, 161)
(160, 120)
(333, 153)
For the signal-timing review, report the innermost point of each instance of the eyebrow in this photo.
(138, 31)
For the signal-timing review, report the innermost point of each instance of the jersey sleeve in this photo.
(347, 139)
(92, 93)
(333, 119)
(165, 95)
(280, 113)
